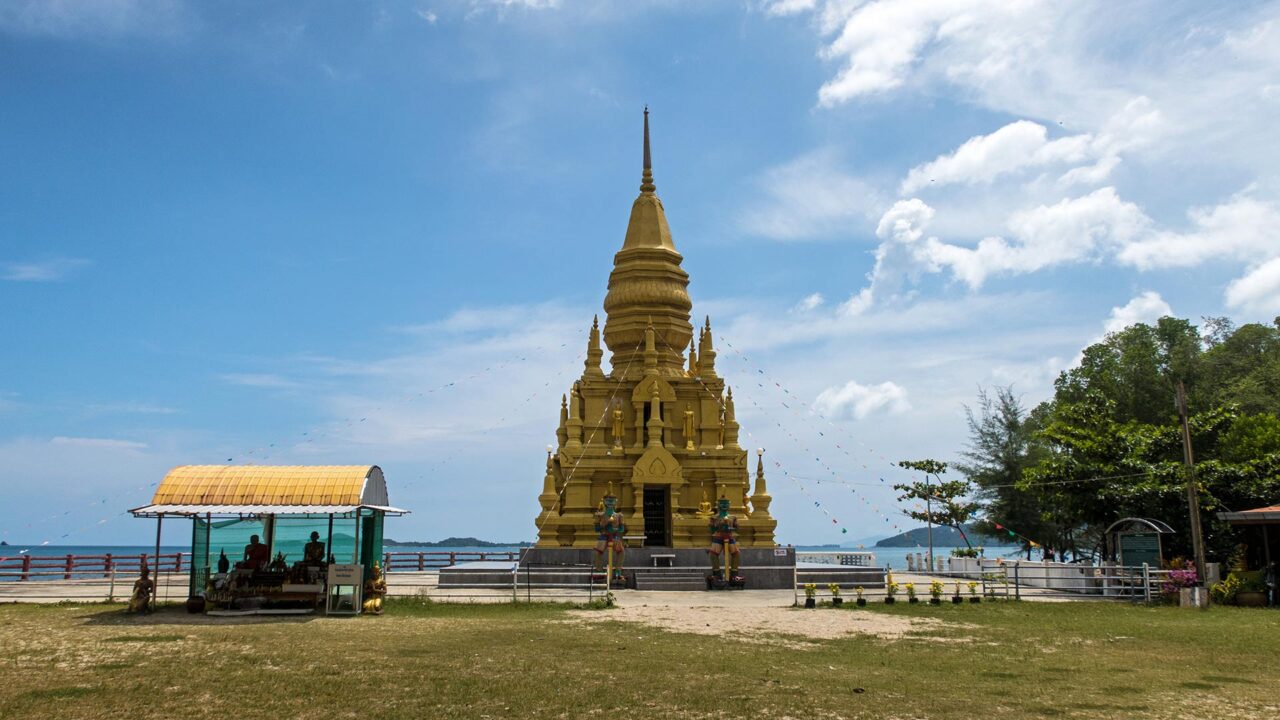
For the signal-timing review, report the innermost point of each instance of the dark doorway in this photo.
(655, 517)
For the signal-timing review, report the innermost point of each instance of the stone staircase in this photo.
(671, 578)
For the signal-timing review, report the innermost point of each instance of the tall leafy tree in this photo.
(1002, 445)
(1111, 446)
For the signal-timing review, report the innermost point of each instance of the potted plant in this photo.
(810, 591)
(862, 602)
(911, 593)
(836, 600)
(935, 592)
(1224, 593)
(890, 589)
(956, 599)
(1251, 591)
(973, 593)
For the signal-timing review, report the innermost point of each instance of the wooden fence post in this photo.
(26, 566)
(106, 565)
(67, 569)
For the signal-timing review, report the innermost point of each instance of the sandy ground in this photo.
(751, 619)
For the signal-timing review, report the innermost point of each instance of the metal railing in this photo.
(421, 561)
(114, 585)
(24, 568)
(1014, 580)
(846, 558)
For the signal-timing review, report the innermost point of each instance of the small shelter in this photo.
(1263, 553)
(274, 535)
(1133, 541)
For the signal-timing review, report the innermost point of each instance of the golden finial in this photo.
(646, 181)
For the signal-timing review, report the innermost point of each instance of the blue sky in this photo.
(278, 234)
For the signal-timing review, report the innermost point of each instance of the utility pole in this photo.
(928, 509)
(1193, 495)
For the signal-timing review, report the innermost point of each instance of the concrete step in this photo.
(687, 585)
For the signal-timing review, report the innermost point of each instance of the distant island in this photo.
(942, 537)
(453, 542)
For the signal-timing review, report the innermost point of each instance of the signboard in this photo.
(345, 585)
(346, 574)
(779, 552)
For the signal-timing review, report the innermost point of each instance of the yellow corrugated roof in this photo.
(264, 485)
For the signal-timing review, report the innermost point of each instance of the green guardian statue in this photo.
(610, 529)
(724, 538)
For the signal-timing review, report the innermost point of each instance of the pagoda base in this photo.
(763, 568)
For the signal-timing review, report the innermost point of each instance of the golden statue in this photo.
(688, 426)
(143, 588)
(375, 588)
(704, 507)
(618, 429)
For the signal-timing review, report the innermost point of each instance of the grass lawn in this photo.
(995, 660)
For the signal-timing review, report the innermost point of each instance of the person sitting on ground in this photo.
(313, 552)
(256, 555)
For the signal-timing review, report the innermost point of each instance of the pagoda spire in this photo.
(646, 176)
(647, 286)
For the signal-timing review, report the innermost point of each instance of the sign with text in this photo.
(346, 574)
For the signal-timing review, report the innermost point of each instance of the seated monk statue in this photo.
(256, 555)
(142, 589)
(313, 552)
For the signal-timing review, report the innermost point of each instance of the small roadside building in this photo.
(1262, 544)
(276, 537)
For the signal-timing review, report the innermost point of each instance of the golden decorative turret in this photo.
(659, 426)
(594, 353)
(761, 520)
(647, 286)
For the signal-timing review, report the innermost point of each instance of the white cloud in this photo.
(1024, 144)
(99, 443)
(260, 380)
(427, 15)
(809, 197)
(1145, 308)
(1073, 230)
(1244, 228)
(94, 18)
(131, 408)
(879, 42)
(810, 302)
(789, 7)
(856, 400)
(1259, 290)
(43, 270)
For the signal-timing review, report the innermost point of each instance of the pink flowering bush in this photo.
(1179, 578)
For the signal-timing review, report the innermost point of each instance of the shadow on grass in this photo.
(170, 615)
(58, 693)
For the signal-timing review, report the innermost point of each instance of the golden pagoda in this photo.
(658, 431)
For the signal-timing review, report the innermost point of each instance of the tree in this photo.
(945, 502)
(1002, 445)
(1108, 444)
